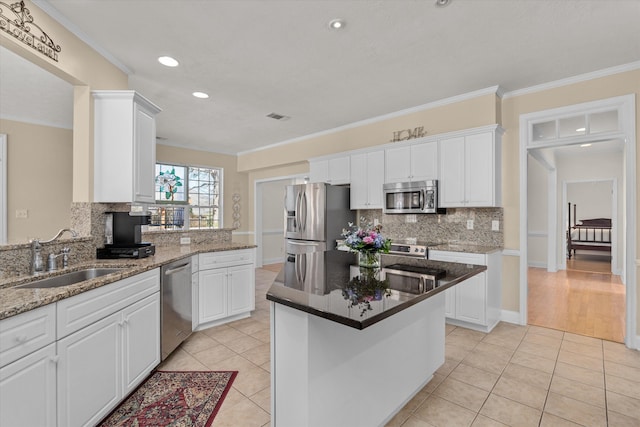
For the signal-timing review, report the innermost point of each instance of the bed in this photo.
(587, 234)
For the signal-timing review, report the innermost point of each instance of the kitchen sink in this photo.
(70, 278)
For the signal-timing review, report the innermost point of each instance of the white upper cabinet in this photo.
(124, 147)
(470, 169)
(332, 171)
(367, 176)
(416, 162)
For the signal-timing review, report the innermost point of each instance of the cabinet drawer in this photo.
(225, 259)
(27, 332)
(459, 257)
(81, 310)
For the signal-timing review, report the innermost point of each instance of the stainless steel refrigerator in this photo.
(315, 215)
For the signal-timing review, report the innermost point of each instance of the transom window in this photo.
(187, 197)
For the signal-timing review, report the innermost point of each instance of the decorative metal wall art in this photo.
(16, 20)
(236, 210)
(405, 134)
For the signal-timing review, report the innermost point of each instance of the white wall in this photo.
(592, 199)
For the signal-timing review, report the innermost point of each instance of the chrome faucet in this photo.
(37, 262)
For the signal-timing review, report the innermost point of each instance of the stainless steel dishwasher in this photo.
(175, 311)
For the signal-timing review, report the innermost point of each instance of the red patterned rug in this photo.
(184, 398)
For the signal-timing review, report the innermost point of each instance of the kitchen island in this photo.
(344, 353)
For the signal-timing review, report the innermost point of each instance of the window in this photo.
(180, 189)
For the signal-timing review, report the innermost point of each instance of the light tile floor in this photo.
(514, 376)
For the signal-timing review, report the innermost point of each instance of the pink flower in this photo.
(368, 240)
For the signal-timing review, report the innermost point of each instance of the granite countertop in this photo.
(14, 300)
(328, 296)
(465, 247)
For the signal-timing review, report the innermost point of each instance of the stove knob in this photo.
(422, 250)
(415, 250)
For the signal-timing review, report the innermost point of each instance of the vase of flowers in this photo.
(368, 242)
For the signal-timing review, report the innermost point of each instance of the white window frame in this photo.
(162, 203)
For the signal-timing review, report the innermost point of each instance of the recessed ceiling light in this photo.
(581, 129)
(201, 95)
(168, 61)
(442, 3)
(337, 24)
(585, 145)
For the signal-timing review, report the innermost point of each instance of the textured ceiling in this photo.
(255, 57)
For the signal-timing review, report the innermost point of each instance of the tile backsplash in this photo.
(442, 228)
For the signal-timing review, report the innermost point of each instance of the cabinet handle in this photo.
(21, 339)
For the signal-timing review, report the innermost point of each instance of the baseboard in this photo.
(537, 264)
(510, 317)
(278, 260)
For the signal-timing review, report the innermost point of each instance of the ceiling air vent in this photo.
(278, 116)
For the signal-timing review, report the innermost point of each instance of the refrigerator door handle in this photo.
(293, 242)
(303, 209)
(296, 220)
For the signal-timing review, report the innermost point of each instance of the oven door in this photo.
(406, 281)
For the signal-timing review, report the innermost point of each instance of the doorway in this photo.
(543, 135)
(269, 218)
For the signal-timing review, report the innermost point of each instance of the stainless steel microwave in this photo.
(411, 197)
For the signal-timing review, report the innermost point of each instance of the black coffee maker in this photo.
(123, 236)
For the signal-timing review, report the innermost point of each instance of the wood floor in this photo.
(586, 300)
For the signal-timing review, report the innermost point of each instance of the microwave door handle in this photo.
(423, 198)
(421, 286)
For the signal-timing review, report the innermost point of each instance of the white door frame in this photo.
(257, 211)
(627, 125)
(4, 214)
(614, 221)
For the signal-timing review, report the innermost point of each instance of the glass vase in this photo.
(369, 259)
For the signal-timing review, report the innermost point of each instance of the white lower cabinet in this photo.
(226, 286)
(28, 390)
(476, 302)
(107, 342)
(89, 380)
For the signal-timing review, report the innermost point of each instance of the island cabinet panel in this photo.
(470, 170)
(335, 171)
(28, 390)
(226, 287)
(476, 302)
(326, 374)
(367, 178)
(415, 162)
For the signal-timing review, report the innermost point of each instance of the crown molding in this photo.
(62, 20)
(573, 80)
(29, 120)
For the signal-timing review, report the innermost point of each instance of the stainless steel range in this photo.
(410, 247)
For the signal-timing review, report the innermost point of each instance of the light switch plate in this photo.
(411, 218)
(469, 224)
(495, 225)
(185, 240)
(22, 213)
